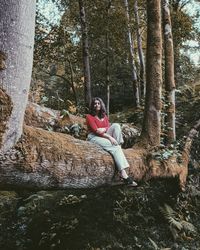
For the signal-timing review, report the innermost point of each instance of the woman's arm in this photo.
(90, 120)
(101, 130)
(110, 138)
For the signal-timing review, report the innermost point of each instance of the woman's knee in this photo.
(116, 126)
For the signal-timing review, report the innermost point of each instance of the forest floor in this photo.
(117, 217)
(155, 215)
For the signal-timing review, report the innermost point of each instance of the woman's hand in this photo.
(113, 141)
(101, 130)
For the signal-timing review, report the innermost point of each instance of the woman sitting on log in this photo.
(109, 137)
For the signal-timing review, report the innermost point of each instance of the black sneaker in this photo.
(130, 182)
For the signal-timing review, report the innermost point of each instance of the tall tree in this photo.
(133, 67)
(107, 60)
(151, 124)
(17, 38)
(183, 31)
(169, 73)
(86, 62)
(140, 51)
(69, 62)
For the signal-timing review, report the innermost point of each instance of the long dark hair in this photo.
(102, 111)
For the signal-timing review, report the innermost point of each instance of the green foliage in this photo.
(104, 218)
(183, 27)
(177, 226)
(59, 45)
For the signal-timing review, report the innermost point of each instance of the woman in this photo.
(108, 137)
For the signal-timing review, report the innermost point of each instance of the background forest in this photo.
(101, 48)
(58, 77)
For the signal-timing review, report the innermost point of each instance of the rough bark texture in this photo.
(169, 73)
(40, 116)
(17, 37)
(86, 63)
(45, 160)
(133, 67)
(50, 119)
(5, 112)
(151, 124)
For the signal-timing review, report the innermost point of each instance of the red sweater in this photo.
(94, 123)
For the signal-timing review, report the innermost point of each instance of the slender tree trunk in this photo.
(70, 67)
(17, 39)
(107, 62)
(72, 80)
(169, 73)
(86, 63)
(108, 92)
(140, 51)
(107, 82)
(133, 67)
(151, 124)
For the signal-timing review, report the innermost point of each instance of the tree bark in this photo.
(42, 117)
(169, 73)
(151, 124)
(49, 160)
(140, 52)
(133, 67)
(86, 63)
(17, 38)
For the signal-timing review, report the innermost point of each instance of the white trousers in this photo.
(114, 150)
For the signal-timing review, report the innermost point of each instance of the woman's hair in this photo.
(102, 111)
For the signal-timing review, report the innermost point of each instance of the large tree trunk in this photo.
(133, 67)
(86, 62)
(17, 38)
(151, 124)
(169, 74)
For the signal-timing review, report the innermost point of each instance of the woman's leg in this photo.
(118, 155)
(116, 132)
(114, 150)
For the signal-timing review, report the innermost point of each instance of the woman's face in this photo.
(97, 105)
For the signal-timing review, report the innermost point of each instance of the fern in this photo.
(188, 227)
(175, 225)
(167, 212)
(153, 243)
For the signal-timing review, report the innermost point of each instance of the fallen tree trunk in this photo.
(46, 160)
(42, 117)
